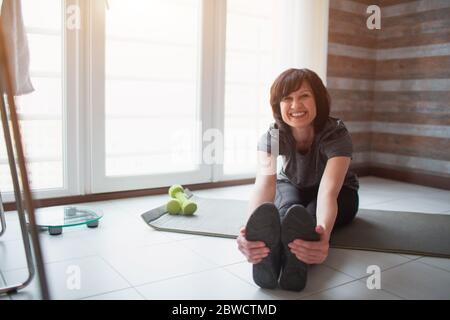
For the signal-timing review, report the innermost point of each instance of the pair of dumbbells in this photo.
(180, 204)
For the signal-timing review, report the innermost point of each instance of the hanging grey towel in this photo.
(16, 47)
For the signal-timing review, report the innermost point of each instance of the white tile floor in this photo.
(125, 259)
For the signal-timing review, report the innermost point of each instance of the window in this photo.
(41, 112)
(248, 75)
(124, 101)
(151, 84)
(149, 116)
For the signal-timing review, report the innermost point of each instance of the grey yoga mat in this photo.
(374, 230)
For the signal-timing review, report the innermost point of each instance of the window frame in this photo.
(99, 182)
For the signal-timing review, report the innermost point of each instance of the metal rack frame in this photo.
(29, 230)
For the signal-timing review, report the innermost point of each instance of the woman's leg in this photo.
(287, 195)
(348, 204)
(290, 202)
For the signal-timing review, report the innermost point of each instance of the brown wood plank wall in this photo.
(392, 86)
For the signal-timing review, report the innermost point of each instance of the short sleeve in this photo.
(269, 141)
(337, 143)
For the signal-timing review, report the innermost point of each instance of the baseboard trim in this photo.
(40, 203)
(420, 178)
(416, 177)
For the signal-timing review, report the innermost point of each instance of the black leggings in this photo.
(287, 195)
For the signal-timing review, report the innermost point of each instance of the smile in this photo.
(298, 114)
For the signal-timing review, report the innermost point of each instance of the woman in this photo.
(293, 215)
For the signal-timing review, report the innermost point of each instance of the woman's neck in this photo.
(303, 135)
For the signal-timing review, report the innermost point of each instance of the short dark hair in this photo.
(291, 80)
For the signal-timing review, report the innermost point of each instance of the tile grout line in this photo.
(432, 266)
(343, 284)
(53, 262)
(389, 268)
(169, 241)
(300, 296)
(112, 291)
(2, 277)
(386, 269)
(169, 278)
(237, 276)
(175, 277)
(208, 259)
(332, 287)
(116, 271)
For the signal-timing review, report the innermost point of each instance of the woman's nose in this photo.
(296, 103)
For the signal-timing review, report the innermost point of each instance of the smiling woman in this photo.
(314, 191)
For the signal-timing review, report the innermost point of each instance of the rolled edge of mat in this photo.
(201, 233)
(399, 251)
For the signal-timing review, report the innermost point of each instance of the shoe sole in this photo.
(264, 225)
(297, 224)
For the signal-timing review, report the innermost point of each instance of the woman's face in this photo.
(298, 109)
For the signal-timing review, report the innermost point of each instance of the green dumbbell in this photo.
(188, 207)
(173, 206)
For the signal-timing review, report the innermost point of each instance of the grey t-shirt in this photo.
(306, 170)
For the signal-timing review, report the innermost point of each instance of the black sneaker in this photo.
(297, 224)
(264, 225)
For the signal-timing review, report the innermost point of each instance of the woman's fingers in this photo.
(254, 251)
(310, 252)
(264, 250)
(255, 244)
(313, 245)
(309, 256)
(259, 257)
(321, 248)
(308, 259)
(312, 255)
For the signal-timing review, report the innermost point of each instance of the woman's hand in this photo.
(254, 251)
(312, 252)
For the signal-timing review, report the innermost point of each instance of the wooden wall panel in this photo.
(392, 86)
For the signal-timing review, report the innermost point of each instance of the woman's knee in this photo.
(286, 195)
(282, 210)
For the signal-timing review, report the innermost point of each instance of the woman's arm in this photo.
(315, 252)
(265, 183)
(264, 191)
(330, 185)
